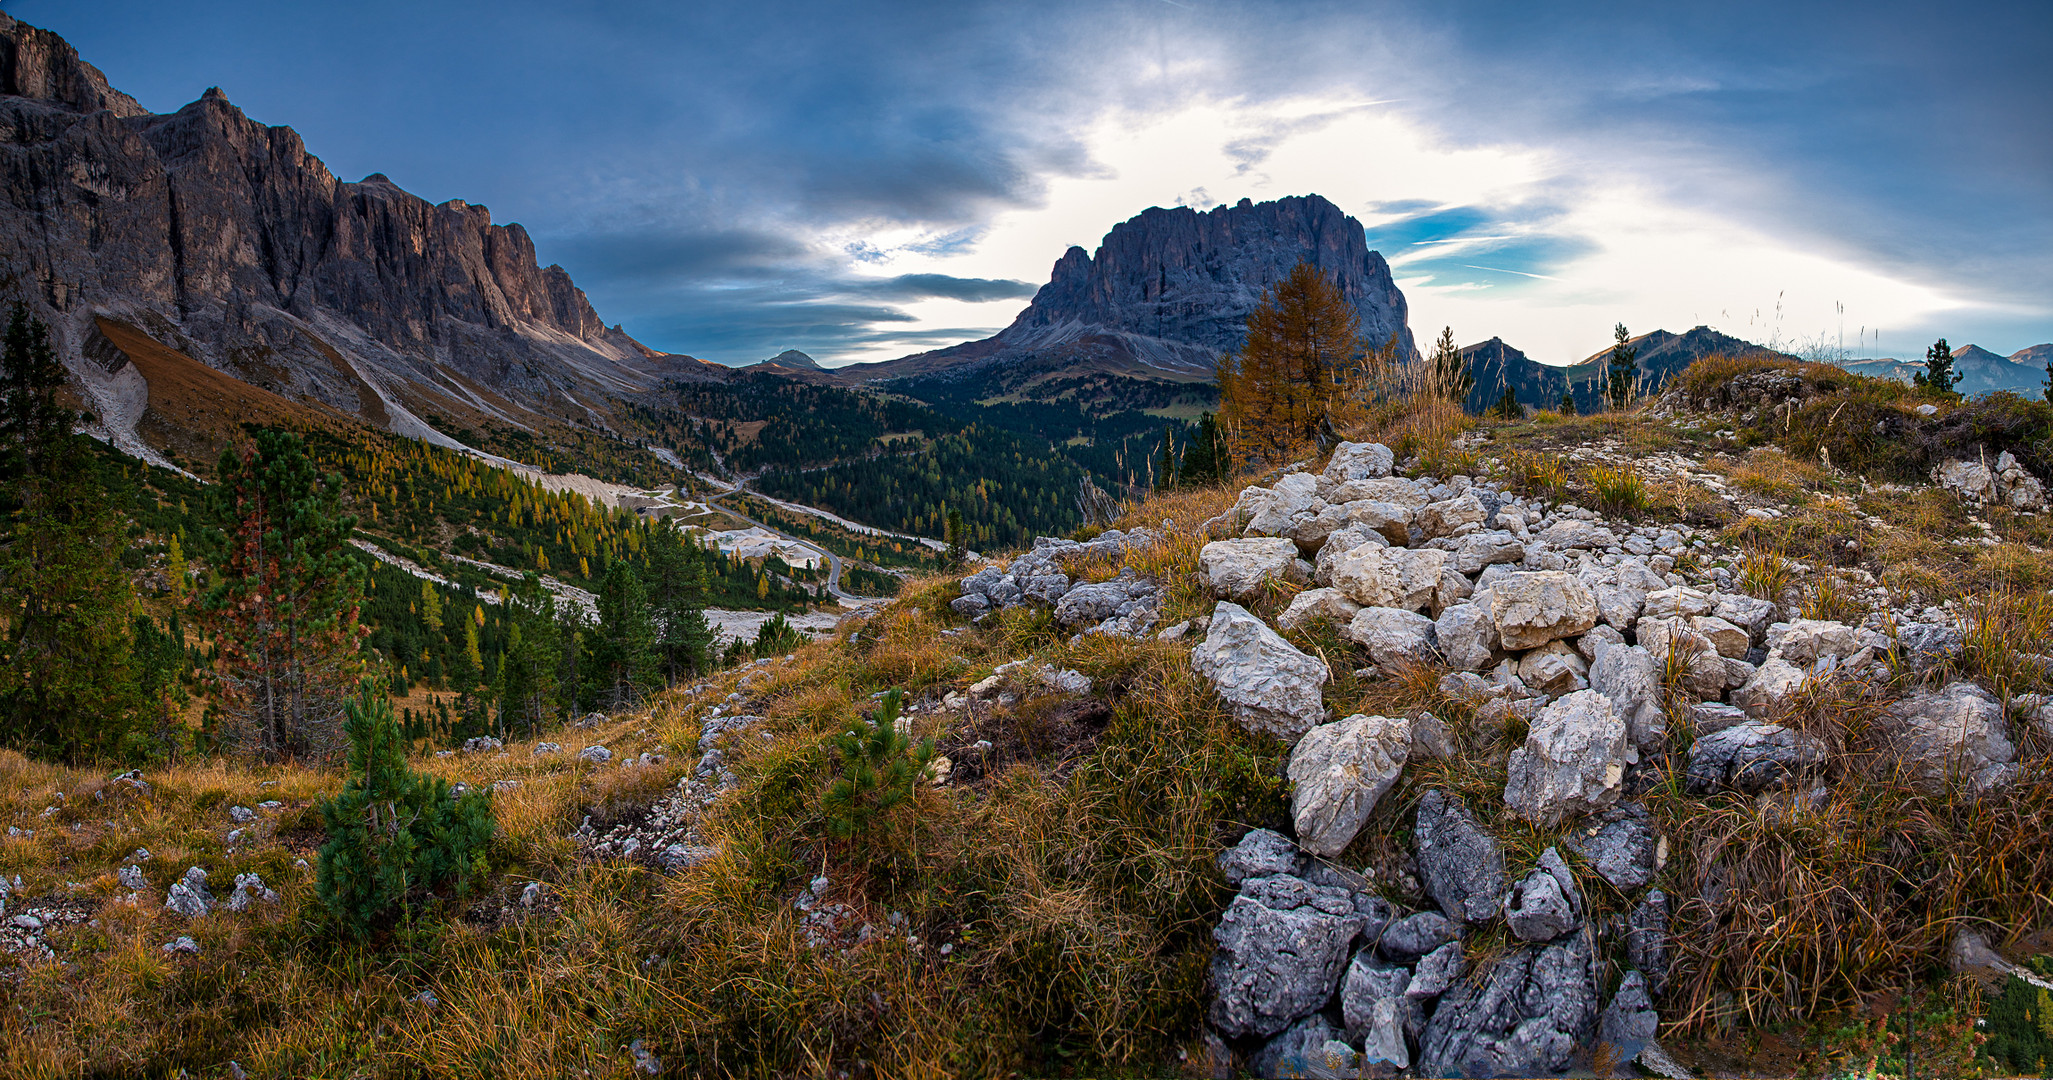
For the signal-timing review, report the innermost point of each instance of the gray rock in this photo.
(1359, 461)
(131, 877)
(1338, 771)
(243, 815)
(1751, 757)
(1619, 843)
(1415, 935)
(1311, 605)
(1282, 945)
(1268, 683)
(188, 896)
(1532, 608)
(1467, 638)
(1679, 601)
(1599, 638)
(1478, 550)
(1436, 972)
(1573, 760)
(1337, 545)
(1390, 577)
(1631, 678)
(1925, 646)
(249, 888)
(1554, 669)
(1546, 903)
(597, 755)
(1239, 569)
(1089, 605)
(1260, 853)
(1957, 735)
(1444, 517)
(1711, 717)
(1460, 864)
(1526, 1015)
(1629, 1023)
(1646, 940)
(1392, 636)
(1432, 738)
(1378, 1013)
(1746, 612)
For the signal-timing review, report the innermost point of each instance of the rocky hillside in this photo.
(1169, 290)
(224, 241)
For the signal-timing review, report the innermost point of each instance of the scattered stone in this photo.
(1546, 903)
(1619, 843)
(1338, 772)
(249, 888)
(183, 945)
(1309, 1048)
(1392, 636)
(645, 1061)
(1460, 864)
(1956, 735)
(1629, 1023)
(1432, 738)
(1751, 756)
(1239, 569)
(1374, 1004)
(131, 877)
(188, 896)
(1573, 760)
(1436, 972)
(482, 744)
(1271, 686)
(1261, 853)
(1311, 605)
(531, 895)
(597, 755)
(1416, 934)
(1925, 646)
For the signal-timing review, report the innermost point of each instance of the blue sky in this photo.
(864, 181)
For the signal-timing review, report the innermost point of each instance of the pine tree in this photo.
(1623, 370)
(1508, 406)
(68, 682)
(284, 612)
(1204, 459)
(1450, 369)
(2047, 393)
(529, 664)
(394, 836)
(1567, 403)
(1303, 338)
(624, 663)
(431, 607)
(1938, 374)
(677, 600)
(176, 571)
(1165, 463)
(958, 548)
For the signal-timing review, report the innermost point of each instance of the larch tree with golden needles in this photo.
(1300, 342)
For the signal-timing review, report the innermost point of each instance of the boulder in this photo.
(1282, 945)
(1619, 843)
(1599, 637)
(1971, 480)
(1338, 772)
(1679, 601)
(1806, 641)
(1312, 605)
(1436, 972)
(1269, 684)
(1389, 489)
(1925, 646)
(1631, 678)
(1390, 577)
(1566, 535)
(1391, 636)
(1336, 547)
(1554, 669)
(1093, 604)
(1708, 717)
(1532, 608)
(1618, 605)
(1416, 934)
(1751, 756)
(1466, 637)
(1727, 639)
(1573, 760)
(1704, 672)
(1460, 864)
(1956, 735)
(1238, 569)
(1544, 904)
(1770, 687)
(1524, 1014)
(1453, 589)
(1478, 550)
(1444, 517)
(1272, 511)
(188, 896)
(1746, 612)
(1389, 521)
(1359, 461)
(1432, 738)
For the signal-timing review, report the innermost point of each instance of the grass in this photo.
(1619, 490)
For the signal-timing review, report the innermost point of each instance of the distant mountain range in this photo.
(1660, 355)
(789, 358)
(1980, 370)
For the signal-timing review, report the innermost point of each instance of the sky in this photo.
(865, 181)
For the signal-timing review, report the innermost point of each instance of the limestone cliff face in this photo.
(1185, 281)
(225, 239)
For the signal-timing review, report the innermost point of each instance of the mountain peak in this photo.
(790, 358)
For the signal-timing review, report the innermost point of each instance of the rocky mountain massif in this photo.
(1660, 356)
(167, 250)
(1170, 289)
(1980, 371)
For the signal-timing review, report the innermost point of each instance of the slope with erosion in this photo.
(1052, 897)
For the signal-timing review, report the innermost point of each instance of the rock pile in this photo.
(1126, 605)
(2005, 483)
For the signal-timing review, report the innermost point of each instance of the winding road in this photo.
(845, 599)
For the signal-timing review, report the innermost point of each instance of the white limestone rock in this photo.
(1338, 772)
(1532, 608)
(1270, 685)
(1573, 760)
(1311, 605)
(1239, 569)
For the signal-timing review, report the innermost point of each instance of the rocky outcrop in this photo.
(1175, 285)
(224, 239)
(1955, 735)
(1460, 864)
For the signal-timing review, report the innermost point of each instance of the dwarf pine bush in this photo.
(879, 766)
(394, 836)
